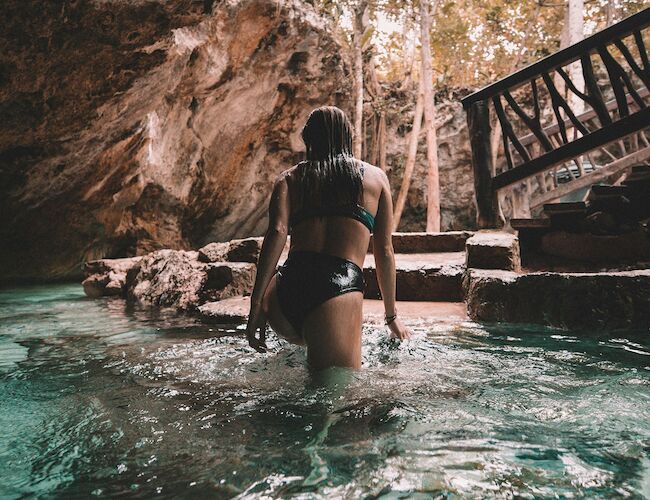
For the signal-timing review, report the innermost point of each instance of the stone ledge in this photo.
(493, 250)
(579, 301)
(235, 310)
(168, 278)
(423, 242)
(422, 283)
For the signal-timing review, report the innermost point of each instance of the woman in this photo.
(327, 202)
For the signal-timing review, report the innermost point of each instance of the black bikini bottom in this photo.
(307, 279)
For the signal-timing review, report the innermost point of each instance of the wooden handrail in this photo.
(587, 115)
(627, 26)
(627, 114)
(580, 146)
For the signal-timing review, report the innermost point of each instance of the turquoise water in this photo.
(98, 399)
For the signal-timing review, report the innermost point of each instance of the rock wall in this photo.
(132, 126)
(457, 206)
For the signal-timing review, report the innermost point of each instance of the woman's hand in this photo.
(258, 323)
(398, 330)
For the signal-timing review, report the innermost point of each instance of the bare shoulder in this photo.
(285, 176)
(374, 175)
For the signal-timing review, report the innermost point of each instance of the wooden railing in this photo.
(548, 136)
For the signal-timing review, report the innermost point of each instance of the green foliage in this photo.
(474, 42)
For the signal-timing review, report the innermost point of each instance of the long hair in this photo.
(330, 175)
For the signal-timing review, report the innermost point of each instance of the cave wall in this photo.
(132, 126)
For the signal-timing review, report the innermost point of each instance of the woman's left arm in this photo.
(274, 241)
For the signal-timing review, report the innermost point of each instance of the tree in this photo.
(411, 153)
(433, 176)
(360, 24)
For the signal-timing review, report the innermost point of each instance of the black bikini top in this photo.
(354, 211)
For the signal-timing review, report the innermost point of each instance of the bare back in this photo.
(342, 236)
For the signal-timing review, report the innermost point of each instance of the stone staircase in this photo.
(429, 267)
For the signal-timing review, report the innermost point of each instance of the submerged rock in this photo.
(230, 310)
(607, 300)
(107, 276)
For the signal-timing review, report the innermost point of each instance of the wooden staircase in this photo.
(560, 140)
(618, 213)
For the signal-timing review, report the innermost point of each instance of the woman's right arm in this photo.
(382, 248)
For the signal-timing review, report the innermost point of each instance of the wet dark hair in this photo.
(330, 175)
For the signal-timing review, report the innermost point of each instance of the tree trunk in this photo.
(360, 13)
(611, 13)
(495, 139)
(379, 115)
(433, 177)
(576, 33)
(410, 159)
(564, 42)
(488, 211)
(382, 140)
(409, 51)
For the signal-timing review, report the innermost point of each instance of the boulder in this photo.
(244, 250)
(177, 279)
(107, 276)
(214, 252)
(577, 301)
(228, 279)
(493, 250)
(238, 250)
(168, 278)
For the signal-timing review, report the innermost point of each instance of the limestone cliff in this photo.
(132, 126)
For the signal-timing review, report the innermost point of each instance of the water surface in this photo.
(99, 399)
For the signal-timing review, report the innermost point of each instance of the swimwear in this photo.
(307, 279)
(354, 211)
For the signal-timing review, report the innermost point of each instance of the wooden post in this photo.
(488, 213)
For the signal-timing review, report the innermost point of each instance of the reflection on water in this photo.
(97, 399)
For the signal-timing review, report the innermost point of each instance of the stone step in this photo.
(423, 242)
(435, 276)
(235, 310)
(598, 301)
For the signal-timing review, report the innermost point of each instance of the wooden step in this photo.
(641, 169)
(640, 176)
(569, 216)
(565, 207)
(606, 190)
(541, 223)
